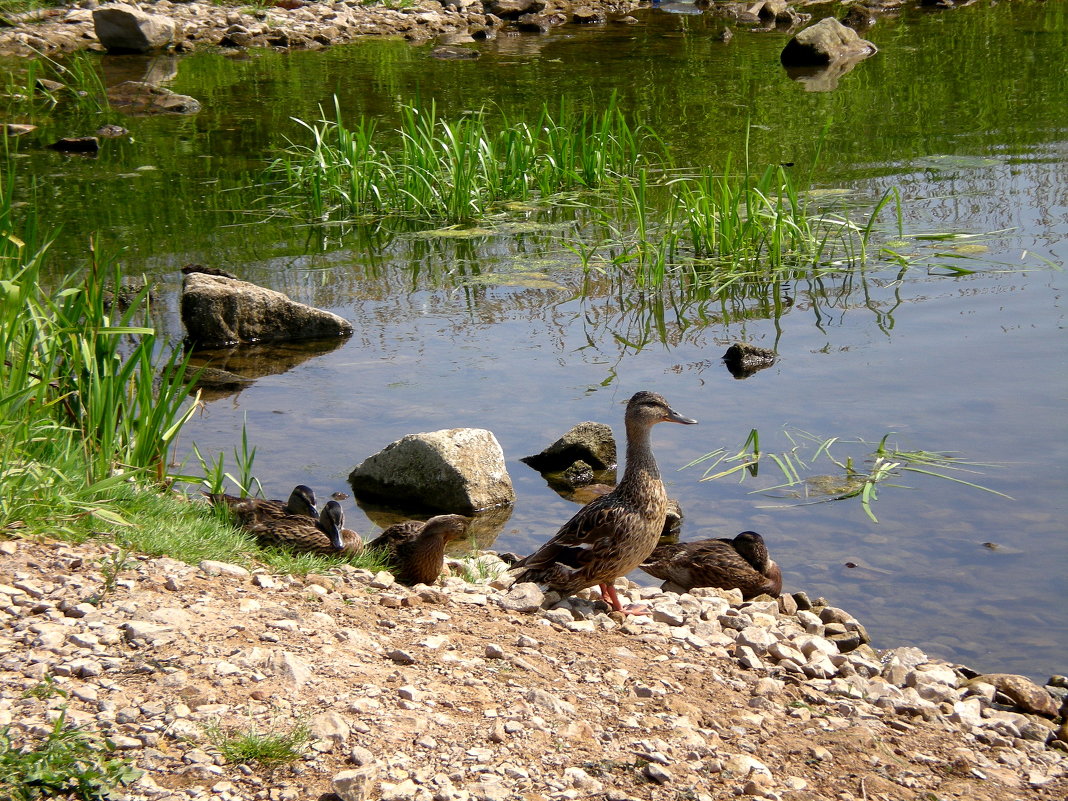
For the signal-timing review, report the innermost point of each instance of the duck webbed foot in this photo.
(608, 593)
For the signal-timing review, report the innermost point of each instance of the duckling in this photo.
(254, 510)
(302, 533)
(612, 534)
(742, 562)
(417, 549)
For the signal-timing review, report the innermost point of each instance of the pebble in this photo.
(215, 568)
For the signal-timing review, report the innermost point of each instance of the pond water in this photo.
(962, 111)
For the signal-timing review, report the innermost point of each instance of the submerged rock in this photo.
(18, 129)
(588, 442)
(138, 97)
(77, 144)
(743, 359)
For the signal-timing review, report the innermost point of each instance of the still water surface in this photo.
(963, 111)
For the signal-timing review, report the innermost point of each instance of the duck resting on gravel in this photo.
(742, 562)
(613, 534)
(416, 549)
(247, 511)
(302, 533)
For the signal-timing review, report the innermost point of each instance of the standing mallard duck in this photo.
(248, 511)
(301, 533)
(612, 534)
(416, 550)
(742, 562)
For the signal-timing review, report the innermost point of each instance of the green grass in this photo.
(170, 524)
(12, 7)
(440, 170)
(82, 88)
(68, 763)
(252, 746)
(91, 402)
(90, 398)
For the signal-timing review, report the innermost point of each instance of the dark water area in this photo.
(963, 111)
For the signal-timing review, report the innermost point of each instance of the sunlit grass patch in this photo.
(299, 563)
(251, 745)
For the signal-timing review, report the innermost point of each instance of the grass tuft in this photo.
(250, 745)
(453, 171)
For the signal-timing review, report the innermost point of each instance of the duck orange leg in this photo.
(608, 592)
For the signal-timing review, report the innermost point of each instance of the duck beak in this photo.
(336, 540)
(675, 417)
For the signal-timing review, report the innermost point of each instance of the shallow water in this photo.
(973, 132)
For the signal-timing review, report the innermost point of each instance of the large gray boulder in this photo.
(826, 42)
(125, 29)
(458, 470)
(217, 310)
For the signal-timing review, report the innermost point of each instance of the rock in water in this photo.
(221, 311)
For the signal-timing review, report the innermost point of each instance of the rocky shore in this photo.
(474, 691)
(299, 24)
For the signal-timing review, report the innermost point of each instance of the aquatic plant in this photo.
(859, 478)
(80, 85)
(443, 170)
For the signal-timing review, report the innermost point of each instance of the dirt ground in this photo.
(440, 693)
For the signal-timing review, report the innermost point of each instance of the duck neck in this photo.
(640, 460)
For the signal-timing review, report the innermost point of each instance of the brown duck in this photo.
(612, 534)
(302, 533)
(416, 550)
(742, 562)
(247, 511)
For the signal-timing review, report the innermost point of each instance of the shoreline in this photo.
(466, 691)
(203, 25)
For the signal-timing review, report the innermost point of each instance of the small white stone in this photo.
(216, 568)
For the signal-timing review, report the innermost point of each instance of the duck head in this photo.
(448, 527)
(331, 521)
(650, 408)
(302, 501)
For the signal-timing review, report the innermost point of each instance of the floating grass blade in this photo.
(886, 463)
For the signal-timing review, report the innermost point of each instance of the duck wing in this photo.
(397, 535)
(247, 511)
(704, 563)
(591, 532)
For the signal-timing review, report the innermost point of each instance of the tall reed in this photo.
(435, 169)
(89, 397)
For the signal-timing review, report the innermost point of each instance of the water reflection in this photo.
(245, 363)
